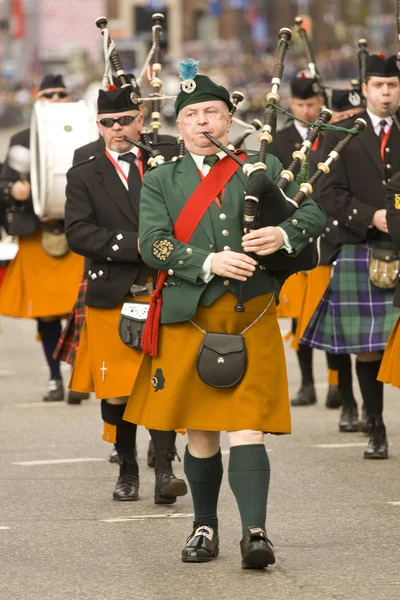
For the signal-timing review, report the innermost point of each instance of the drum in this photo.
(57, 130)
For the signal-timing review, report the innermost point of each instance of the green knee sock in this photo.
(204, 476)
(249, 473)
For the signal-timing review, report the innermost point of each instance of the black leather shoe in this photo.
(202, 545)
(54, 391)
(76, 397)
(256, 549)
(349, 419)
(127, 486)
(333, 397)
(378, 446)
(151, 455)
(168, 487)
(305, 395)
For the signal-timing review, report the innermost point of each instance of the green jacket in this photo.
(164, 192)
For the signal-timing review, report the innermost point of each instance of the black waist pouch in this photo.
(131, 323)
(221, 361)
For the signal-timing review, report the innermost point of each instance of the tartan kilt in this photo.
(353, 315)
(68, 343)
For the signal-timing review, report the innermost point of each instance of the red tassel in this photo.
(149, 339)
(112, 87)
(303, 75)
(381, 55)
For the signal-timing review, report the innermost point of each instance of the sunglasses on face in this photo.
(125, 120)
(49, 95)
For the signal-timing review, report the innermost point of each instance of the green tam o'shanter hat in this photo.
(198, 88)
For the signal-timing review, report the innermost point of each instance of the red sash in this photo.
(185, 225)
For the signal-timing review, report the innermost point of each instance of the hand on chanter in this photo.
(21, 190)
(233, 264)
(264, 241)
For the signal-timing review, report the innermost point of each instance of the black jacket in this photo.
(355, 188)
(393, 221)
(88, 150)
(286, 141)
(101, 223)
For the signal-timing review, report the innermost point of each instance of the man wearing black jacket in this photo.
(356, 313)
(102, 224)
(305, 103)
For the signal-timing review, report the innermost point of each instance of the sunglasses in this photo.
(126, 120)
(49, 95)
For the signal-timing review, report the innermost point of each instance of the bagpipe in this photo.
(265, 203)
(152, 68)
(311, 60)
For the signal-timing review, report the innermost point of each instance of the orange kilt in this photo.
(291, 297)
(317, 281)
(38, 285)
(259, 402)
(390, 366)
(103, 364)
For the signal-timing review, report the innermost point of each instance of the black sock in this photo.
(125, 433)
(249, 474)
(204, 476)
(342, 364)
(304, 356)
(163, 442)
(371, 389)
(50, 332)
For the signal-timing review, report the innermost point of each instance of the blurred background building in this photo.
(234, 40)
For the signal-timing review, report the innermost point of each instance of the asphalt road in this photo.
(333, 517)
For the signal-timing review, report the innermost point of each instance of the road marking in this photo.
(56, 403)
(57, 461)
(226, 452)
(394, 503)
(354, 445)
(141, 517)
(1, 528)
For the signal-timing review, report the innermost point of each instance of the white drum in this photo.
(57, 130)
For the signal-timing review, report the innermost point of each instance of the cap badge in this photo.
(354, 99)
(188, 72)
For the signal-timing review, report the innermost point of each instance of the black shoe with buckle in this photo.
(127, 486)
(305, 395)
(167, 486)
(256, 548)
(349, 419)
(378, 446)
(333, 397)
(202, 545)
(54, 391)
(76, 397)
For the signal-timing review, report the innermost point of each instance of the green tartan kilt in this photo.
(353, 315)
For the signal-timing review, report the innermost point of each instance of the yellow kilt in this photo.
(291, 297)
(390, 366)
(317, 281)
(259, 402)
(38, 285)
(103, 364)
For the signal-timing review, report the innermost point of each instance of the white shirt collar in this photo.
(302, 130)
(199, 159)
(376, 121)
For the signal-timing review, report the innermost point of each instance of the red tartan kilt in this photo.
(68, 343)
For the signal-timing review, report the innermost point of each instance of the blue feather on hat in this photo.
(188, 70)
